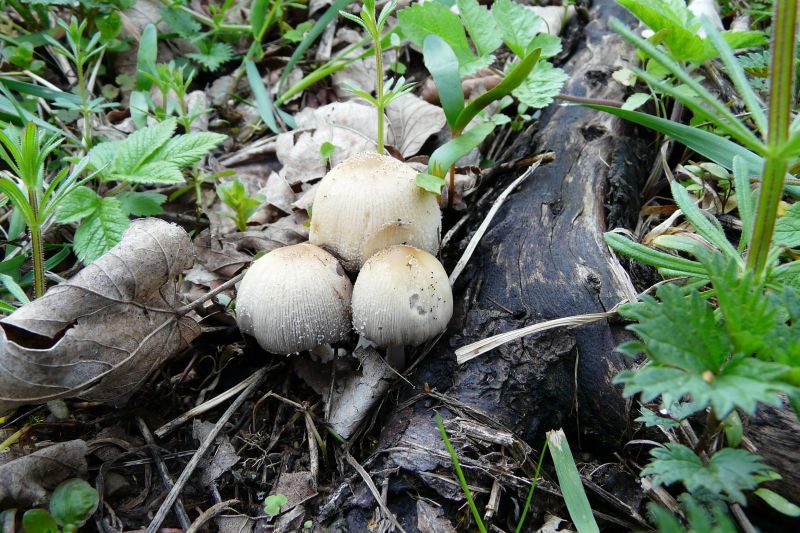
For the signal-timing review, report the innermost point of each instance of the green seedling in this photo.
(449, 56)
(24, 184)
(72, 505)
(234, 195)
(273, 504)
(82, 53)
(374, 24)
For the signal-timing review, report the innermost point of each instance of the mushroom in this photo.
(369, 202)
(293, 299)
(402, 297)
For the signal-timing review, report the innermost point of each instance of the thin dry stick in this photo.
(471, 351)
(161, 514)
(166, 478)
(473, 242)
(203, 407)
(195, 304)
(313, 451)
(373, 489)
(210, 513)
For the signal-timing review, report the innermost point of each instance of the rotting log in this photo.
(542, 258)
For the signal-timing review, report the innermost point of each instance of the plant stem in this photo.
(379, 89)
(781, 79)
(87, 142)
(37, 249)
(533, 487)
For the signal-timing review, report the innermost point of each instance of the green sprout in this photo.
(393, 88)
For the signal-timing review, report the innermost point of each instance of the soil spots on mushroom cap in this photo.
(413, 302)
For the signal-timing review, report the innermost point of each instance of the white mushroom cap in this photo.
(294, 298)
(369, 202)
(401, 297)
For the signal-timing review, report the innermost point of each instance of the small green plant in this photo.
(273, 503)
(449, 56)
(81, 53)
(326, 150)
(234, 195)
(374, 24)
(150, 156)
(72, 505)
(24, 185)
(173, 80)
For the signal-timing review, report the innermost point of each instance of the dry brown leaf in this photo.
(100, 334)
(27, 481)
(412, 121)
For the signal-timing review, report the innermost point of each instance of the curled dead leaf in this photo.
(100, 334)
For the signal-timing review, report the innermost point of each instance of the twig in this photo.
(158, 519)
(195, 304)
(208, 514)
(589, 101)
(166, 478)
(473, 243)
(203, 407)
(373, 489)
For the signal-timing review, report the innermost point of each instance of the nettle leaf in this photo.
(728, 474)
(542, 85)
(518, 24)
(141, 203)
(549, 44)
(77, 205)
(787, 228)
(420, 20)
(697, 363)
(188, 149)
(101, 231)
(481, 26)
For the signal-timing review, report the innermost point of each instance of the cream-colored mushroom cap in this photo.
(401, 297)
(369, 202)
(294, 298)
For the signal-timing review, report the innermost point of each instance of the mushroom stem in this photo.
(396, 357)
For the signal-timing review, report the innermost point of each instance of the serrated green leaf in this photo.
(101, 231)
(140, 145)
(518, 24)
(141, 203)
(549, 44)
(540, 86)
(442, 63)
(155, 173)
(185, 150)
(212, 54)
(77, 205)
(651, 419)
(481, 26)
(729, 472)
(421, 20)
(180, 21)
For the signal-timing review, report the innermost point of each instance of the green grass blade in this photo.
(744, 199)
(454, 149)
(261, 93)
(529, 499)
(461, 479)
(712, 231)
(324, 21)
(570, 482)
(660, 260)
(736, 74)
(146, 57)
(442, 63)
(38, 91)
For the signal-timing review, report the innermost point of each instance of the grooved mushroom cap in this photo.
(401, 297)
(294, 298)
(369, 202)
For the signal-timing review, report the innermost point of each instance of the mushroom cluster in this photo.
(370, 216)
